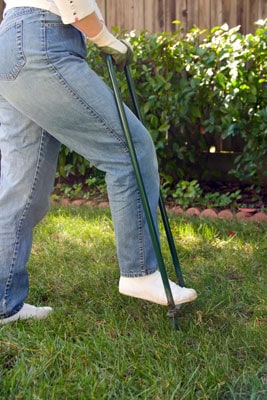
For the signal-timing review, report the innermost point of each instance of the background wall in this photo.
(1, 8)
(157, 15)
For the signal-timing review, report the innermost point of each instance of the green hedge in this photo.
(193, 86)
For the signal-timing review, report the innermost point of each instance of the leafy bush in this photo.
(187, 193)
(193, 87)
(191, 91)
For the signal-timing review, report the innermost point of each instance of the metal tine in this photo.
(172, 309)
(162, 207)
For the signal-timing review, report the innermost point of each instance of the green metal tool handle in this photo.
(154, 237)
(164, 216)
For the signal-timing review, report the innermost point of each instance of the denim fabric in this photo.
(48, 96)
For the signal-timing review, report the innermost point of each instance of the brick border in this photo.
(251, 215)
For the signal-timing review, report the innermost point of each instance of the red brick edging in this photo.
(247, 215)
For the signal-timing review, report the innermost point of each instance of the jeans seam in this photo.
(70, 90)
(20, 61)
(21, 220)
(140, 232)
(23, 10)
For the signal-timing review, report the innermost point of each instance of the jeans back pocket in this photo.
(12, 58)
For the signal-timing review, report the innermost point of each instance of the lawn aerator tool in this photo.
(172, 308)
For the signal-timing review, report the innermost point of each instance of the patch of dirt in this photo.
(251, 197)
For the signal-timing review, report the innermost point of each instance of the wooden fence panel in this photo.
(216, 13)
(192, 13)
(181, 11)
(157, 15)
(1, 9)
(203, 14)
(150, 13)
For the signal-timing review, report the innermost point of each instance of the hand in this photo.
(121, 59)
(120, 50)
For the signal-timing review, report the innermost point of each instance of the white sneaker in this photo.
(151, 288)
(26, 312)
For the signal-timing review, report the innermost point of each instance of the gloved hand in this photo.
(120, 59)
(120, 50)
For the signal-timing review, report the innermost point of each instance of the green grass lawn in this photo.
(98, 344)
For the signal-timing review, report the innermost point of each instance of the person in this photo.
(48, 96)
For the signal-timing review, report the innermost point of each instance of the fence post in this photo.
(2, 5)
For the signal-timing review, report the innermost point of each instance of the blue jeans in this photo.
(48, 96)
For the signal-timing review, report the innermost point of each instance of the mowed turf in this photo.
(98, 344)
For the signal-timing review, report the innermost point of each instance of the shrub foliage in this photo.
(192, 87)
